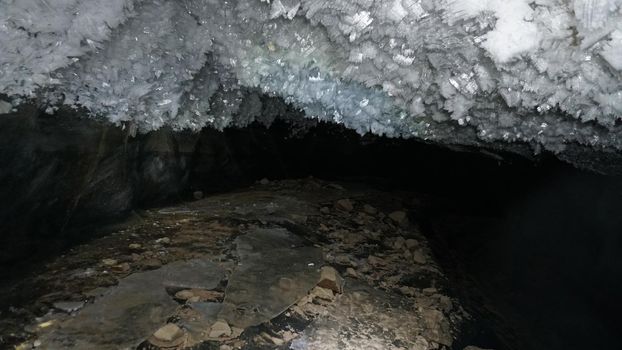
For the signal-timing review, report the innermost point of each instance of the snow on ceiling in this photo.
(545, 72)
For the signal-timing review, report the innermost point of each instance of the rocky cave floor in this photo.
(292, 264)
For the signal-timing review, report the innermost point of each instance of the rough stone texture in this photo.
(127, 314)
(276, 269)
(62, 173)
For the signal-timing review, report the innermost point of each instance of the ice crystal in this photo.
(547, 72)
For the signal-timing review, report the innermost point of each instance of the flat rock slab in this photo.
(276, 269)
(124, 315)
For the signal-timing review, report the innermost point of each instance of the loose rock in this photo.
(184, 295)
(419, 257)
(197, 195)
(163, 240)
(151, 263)
(168, 333)
(330, 279)
(124, 267)
(69, 306)
(369, 209)
(376, 261)
(344, 204)
(109, 262)
(411, 243)
(220, 329)
(399, 243)
(322, 293)
(350, 272)
(399, 217)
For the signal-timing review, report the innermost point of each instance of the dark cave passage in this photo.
(530, 246)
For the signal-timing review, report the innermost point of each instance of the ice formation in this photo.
(545, 72)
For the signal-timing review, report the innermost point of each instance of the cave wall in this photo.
(63, 174)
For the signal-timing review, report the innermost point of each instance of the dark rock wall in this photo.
(63, 173)
(55, 169)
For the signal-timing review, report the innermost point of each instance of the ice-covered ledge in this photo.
(544, 72)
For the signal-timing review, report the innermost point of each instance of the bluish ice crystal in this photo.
(546, 72)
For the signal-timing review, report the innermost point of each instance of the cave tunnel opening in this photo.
(528, 245)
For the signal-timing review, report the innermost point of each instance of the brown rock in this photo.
(220, 329)
(163, 240)
(197, 195)
(399, 244)
(376, 261)
(151, 263)
(168, 335)
(184, 294)
(344, 204)
(322, 293)
(350, 272)
(411, 243)
(369, 209)
(436, 327)
(399, 217)
(124, 267)
(419, 257)
(203, 295)
(330, 279)
(109, 262)
(169, 332)
(324, 210)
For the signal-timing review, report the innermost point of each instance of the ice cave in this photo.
(311, 174)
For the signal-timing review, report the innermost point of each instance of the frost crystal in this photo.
(457, 71)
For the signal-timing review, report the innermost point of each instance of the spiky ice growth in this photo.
(545, 72)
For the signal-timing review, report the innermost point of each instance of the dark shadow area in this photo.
(532, 247)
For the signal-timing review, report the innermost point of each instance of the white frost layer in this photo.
(460, 71)
(515, 32)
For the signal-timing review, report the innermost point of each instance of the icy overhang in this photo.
(545, 72)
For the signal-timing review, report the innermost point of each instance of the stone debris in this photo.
(265, 285)
(399, 244)
(121, 268)
(151, 263)
(69, 306)
(163, 240)
(168, 333)
(376, 261)
(399, 217)
(109, 262)
(419, 257)
(198, 195)
(322, 293)
(350, 272)
(369, 209)
(220, 329)
(411, 243)
(184, 294)
(264, 181)
(344, 204)
(330, 279)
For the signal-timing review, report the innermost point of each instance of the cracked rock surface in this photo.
(279, 265)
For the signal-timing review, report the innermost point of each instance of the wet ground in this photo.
(296, 264)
